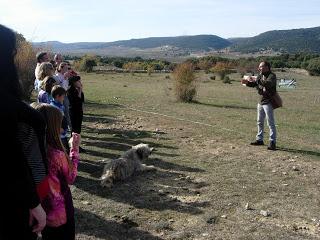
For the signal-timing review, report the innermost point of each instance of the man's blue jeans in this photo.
(264, 111)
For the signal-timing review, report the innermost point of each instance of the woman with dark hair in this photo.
(21, 213)
(76, 99)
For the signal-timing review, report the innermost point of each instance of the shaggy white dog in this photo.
(128, 164)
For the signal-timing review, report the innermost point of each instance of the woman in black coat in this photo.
(76, 99)
(21, 213)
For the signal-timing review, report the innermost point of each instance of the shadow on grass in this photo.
(99, 154)
(125, 141)
(124, 134)
(98, 118)
(153, 191)
(98, 105)
(172, 166)
(93, 168)
(95, 226)
(224, 106)
(301, 151)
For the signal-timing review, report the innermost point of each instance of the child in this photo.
(58, 93)
(44, 95)
(62, 172)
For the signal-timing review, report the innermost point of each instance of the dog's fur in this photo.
(125, 166)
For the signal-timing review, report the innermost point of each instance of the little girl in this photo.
(62, 170)
(44, 95)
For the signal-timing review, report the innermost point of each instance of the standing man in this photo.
(57, 60)
(41, 57)
(266, 84)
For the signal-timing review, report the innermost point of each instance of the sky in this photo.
(106, 21)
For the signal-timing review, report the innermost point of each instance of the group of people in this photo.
(59, 85)
(38, 162)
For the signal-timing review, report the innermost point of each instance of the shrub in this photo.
(226, 79)
(185, 87)
(222, 69)
(314, 66)
(213, 77)
(86, 63)
(150, 70)
(25, 61)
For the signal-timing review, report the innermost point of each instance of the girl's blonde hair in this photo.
(53, 118)
(45, 69)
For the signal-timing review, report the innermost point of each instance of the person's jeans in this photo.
(264, 111)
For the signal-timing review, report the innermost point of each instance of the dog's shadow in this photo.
(92, 225)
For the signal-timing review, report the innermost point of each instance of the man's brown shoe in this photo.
(272, 146)
(257, 143)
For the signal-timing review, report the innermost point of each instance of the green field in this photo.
(207, 172)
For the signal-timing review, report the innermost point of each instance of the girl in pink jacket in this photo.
(62, 170)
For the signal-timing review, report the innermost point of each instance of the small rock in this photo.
(86, 203)
(284, 173)
(102, 160)
(233, 147)
(295, 168)
(211, 219)
(205, 234)
(274, 171)
(161, 192)
(247, 207)
(285, 184)
(265, 213)
(224, 216)
(229, 204)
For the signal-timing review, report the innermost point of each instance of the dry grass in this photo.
(207, 172)
(26, 63)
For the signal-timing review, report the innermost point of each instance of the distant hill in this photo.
(196, 43)
(181, 43)
(289, 41)
(286, 41)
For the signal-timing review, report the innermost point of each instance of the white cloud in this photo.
(27, 16)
